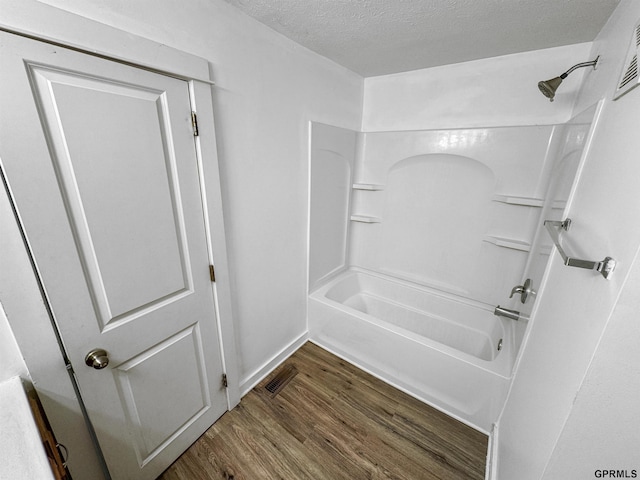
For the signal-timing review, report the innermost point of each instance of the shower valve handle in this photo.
(517, 289)
(523, 290)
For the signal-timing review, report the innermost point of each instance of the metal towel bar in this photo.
(605, 267)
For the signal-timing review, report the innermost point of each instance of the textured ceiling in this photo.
(376, 37)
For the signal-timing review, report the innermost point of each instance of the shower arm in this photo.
(592, 63)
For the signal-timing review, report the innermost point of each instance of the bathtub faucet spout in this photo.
(506, 312)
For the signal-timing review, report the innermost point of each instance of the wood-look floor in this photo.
(332, 421)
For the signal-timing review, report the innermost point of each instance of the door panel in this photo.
(99, 157)
(139, 378)
(102, 167)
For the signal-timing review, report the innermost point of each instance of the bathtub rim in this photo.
(325, 283)
(502, 365)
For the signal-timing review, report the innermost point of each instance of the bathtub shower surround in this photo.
(416, 236)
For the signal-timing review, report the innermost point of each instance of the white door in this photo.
(100, 159)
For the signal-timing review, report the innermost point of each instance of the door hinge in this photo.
(194, 123)
(225, 383)
(212, 273)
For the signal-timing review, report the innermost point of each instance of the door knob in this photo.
(97, 358)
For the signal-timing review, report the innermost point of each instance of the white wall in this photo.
(602, 430)
(11, 361)
(267, 89)
(577, 347)
(606, 407)
(492, 92)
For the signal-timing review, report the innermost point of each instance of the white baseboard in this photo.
(256, 377)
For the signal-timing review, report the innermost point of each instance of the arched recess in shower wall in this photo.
(434, 246)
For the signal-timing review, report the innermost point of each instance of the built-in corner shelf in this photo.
(368, 186)
(508, 243)
(517, 200)
(365, 219)
(527, 201)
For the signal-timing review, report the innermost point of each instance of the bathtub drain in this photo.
(499, 344)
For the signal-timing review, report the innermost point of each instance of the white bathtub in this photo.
(455, 355)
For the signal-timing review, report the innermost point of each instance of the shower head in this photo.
(549, 87)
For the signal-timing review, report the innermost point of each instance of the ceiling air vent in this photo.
(630, 74)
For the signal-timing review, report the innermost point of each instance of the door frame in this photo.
(21, 293)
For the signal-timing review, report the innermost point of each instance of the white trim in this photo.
(111, 58)
(53, 25)
(202, 99)
(261, 372)
(491, 471)
(308, 239)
